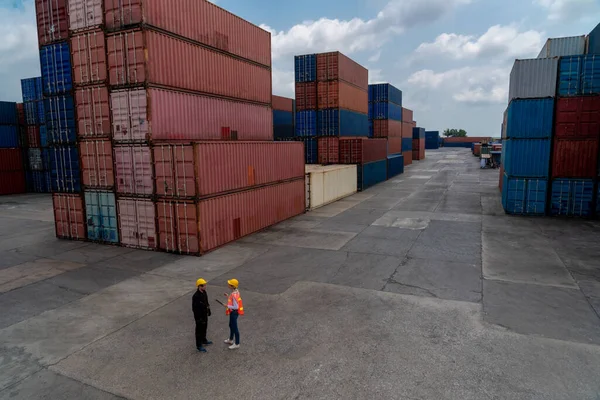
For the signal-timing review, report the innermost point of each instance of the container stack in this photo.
(408, 124)
(432, 140)
(305, 75)
(12, 173)
(418, 143)
(283, 117)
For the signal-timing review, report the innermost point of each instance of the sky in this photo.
(451, 58)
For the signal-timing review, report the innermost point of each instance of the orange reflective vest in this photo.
(230, 303)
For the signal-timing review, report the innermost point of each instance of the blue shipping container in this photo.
(590, 76)
(101, 213)
(530, 119)
(310, 150)
(594, 41)
(527, 157)
(39, 181)
(8, 113)
(60, 119)
(407, 144)
(305, 67)
(524, 196)
(31, 89)
(55, 62)
(283, 117)
(418, 133)
(9, 136)
(579, 75)
(395, 165)
(385, 92)
(371, 174)
(572, 197)
(432, 140)
(31, 113)
(340, 122)
(39, 159)
(41, 112)
(306, 123)
(43, 136)
(385, 110)
(65, 170)
(283, 131)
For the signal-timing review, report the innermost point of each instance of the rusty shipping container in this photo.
(190, 227)
(336, 66)
(85, 15)
(134, 170)
(52, 21)
(394, 145)
(93, 112)
(362, 150)
(282, 103)
(577, 117)
(97, 166)
(387, 128)
(69, 218)
(339, 94)
(141, 115)
(88, 58)
(573, 158)
(407, 157)
(200, 21)
(306, 96)
(137, 223)
(150, 57)
(407, 115)
(328, 150)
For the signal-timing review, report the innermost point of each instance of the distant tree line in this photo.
(455, 133)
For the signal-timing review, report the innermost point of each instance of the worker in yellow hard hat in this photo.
(201, 310)
(234, 309)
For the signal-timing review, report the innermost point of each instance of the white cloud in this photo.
(375, 57)
(375, 76)
(283, 82)
(564, 10)
(499, 43)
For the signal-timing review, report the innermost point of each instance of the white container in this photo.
(533, 78)
(564, 46)
(328, 183)
(85, 14)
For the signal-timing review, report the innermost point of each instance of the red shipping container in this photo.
(386, 128)
(418, 150)
(578, 117)
(33, 136)
(407, 157)
(12, 182)
(362, 150)
(200, 21)
(575, 158)
(97, 164)
(69, 218)
(88, 55)
(133, 170)
(306, 96)
(85, 14)
(93, 112)
(468, 139)
(175, 170)
(328, 150)
(137, 223)
(146, 56)
(477, 149)
(197, 227)
(339, 94)
(407, 132)
(282, 103)
(335, 65)
(394, 145)
(21, 113)
(52, 21)
(11, 160)
(407, 115)
(140, 115)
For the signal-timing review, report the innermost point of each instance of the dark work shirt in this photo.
(200, 306)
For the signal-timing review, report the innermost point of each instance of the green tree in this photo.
(455, 133)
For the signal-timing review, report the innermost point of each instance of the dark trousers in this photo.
(201, 327)
(233, 327)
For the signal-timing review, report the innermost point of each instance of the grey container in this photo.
(533, 78)
(565, 46)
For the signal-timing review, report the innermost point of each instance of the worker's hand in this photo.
(225, 294)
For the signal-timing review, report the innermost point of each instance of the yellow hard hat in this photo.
(233, 282)
(200, 282)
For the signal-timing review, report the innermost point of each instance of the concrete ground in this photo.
(419, 288)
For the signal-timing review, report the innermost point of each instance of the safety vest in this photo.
(235, 294)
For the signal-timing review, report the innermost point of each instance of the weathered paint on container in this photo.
(387, 128)
(11, 159)
(31, 89)
(9, 136)
(60, 119)
(371, 174)
(8, 113)
(191, 228)
(65, 170)
(306, 123)
(340, 122)
(534, 78)
(97, 167)
(339, 94)
(282, 103)
(384, 92)
(575, 158)
(572, 197)
(329, 150)
(326, 184)
(385, 110)
(524, 196)
(32, 116)
(564, 46)
(39, 159)
(85, 14)
(407, 115)
(138, 57)
(305, 68)
(407, 157)
(200, 21)
(52, 21)
(101, 214)
(137, 223)
(69, 218)
(12, 182)
(140, 115)
(306, 96)
(530, 119)
(93, 112)
(578, 117)
(529, 158)
(395, 165)
(362, 150)
(55, 60)
(336, 66)
(88, 54)
(134, 170)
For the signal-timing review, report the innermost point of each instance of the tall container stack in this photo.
(418, 143)
(305, 76)
(283, 117)
(12, 173)
(408, 124)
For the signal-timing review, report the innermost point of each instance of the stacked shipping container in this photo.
(283, 117)
(432, 140)
(408, 124)
(418, 143)
(12, 173)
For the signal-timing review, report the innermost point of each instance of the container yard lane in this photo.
(417, 288)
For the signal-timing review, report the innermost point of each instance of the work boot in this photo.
(201, 349)
(234, 346)
(228, 341)
(207, 343)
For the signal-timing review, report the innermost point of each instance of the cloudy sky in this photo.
(451, 58)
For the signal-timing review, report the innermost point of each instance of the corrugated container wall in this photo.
(101, 214)
(575, 158)
(578, 117)
(93, 112)
(579, 75)
(69, 218)
(89, 58)
(361, 150)
(385, 110)
(371, 174)
(55, 60)
(201, 21)
(524, 196)
(386, 128)
(395, 165)
(336, 122)
(52, 21)
(134, 170)
(533, 78)
(572, 197)
(384, 92)
(137, 223)
(282, 103)
(8, 113)
(85, 14)
(394, 145)
(326, 184)
(9, 136)
(336, 66)
(97, 163)
(306, 96)
(339, 94)
(329, 150)
(594, 43)
(564, 46)
(306, 123)
(60, 119)
(65, 170)
(407, 115)
(527, 158)
(305, 68)
(530, 118)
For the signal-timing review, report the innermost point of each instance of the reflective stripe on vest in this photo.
(238, 299)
